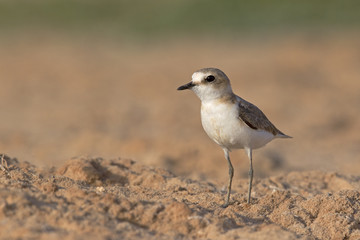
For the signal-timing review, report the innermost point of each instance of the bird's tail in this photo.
(282, 135)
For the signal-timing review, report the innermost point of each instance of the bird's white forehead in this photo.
(197, 77)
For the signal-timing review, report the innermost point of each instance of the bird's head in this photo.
(209, 84)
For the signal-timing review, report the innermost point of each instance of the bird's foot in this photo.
(226, 204)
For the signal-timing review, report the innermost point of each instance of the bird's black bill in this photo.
(186, 86)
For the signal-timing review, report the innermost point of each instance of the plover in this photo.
(229, 120)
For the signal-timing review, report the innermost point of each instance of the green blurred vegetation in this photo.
(160, 17)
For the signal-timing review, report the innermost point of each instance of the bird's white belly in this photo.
(222, 124)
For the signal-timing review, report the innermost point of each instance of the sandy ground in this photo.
(120, 199)
(64, 97)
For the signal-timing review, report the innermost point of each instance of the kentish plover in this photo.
(232, 122)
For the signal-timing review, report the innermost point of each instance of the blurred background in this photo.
(99, 78)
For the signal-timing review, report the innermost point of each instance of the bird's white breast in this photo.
(222, 124)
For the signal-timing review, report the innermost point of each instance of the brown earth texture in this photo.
(146, 169)
(121, 199)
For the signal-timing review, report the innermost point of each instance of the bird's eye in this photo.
(210, 78)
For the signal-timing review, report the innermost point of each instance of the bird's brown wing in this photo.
(255, 118)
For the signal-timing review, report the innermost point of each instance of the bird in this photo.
(229, 120)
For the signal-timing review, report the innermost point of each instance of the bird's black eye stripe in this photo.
(210, 78)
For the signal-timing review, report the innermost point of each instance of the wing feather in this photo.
(255, 118)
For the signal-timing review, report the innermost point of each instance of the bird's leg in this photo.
(251, 173)
(231, 174)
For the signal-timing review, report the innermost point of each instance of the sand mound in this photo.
(118, 198)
